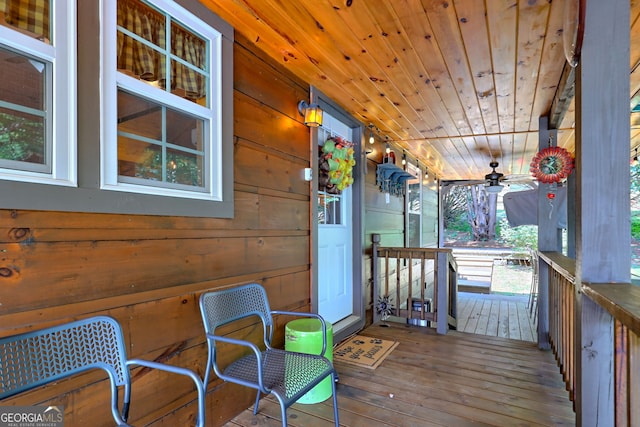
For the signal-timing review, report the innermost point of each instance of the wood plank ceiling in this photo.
(455, 83)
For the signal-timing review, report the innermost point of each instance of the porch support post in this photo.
(603, 235)
(548, 237)
(375, 273)
(442, 301)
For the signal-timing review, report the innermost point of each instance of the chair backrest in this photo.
(35, 358)
(221, 307)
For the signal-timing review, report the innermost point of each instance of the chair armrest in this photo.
(312, 315)
(181, 371)
(243, 343)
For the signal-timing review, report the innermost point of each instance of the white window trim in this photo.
(61, 54)
(112, 80)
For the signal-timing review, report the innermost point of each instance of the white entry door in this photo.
(335, 240)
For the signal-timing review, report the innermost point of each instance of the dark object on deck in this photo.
(416, 305)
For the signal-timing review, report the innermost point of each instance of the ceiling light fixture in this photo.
(494, 187)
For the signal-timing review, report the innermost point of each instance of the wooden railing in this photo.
(562, 290)
(419, 283)
(618, 308)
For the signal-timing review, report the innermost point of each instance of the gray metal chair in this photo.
(285, 374)
(36, 358)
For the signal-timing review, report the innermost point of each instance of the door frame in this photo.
(356, 321)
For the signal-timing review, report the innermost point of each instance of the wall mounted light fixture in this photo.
(312, 114)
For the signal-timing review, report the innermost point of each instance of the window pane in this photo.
(30, 17)
(22, 112)
(414, 214)
(144, 53)
(329, 208)
(157, 143)
(22, 80)
(188, 81)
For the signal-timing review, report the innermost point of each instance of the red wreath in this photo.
(552, 164)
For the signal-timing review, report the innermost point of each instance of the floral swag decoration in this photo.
(551, 165)
(336, 164)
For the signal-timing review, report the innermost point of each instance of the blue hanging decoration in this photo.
(392, 179)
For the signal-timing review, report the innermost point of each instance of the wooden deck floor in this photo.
(496, 315)
(453, 380)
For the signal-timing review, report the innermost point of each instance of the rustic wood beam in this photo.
(603, 213)
(565, 92)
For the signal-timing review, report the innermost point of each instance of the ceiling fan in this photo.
(493, 179)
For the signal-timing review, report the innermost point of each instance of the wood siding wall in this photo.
(388, 220)
(148, 271)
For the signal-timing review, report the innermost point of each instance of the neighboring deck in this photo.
(506, 316)
(458, 379)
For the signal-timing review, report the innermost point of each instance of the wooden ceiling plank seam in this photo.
(389, 91)
(506, 146)
(313, 32)
(531, 29)
(387, 88)
(549, 76)
(461, 145)
(418, 38)
(332, 69)
(396, 48)
(352, 26)
(472, 18)
(503, 27)
(495, 148)
(262, 35)
(520, 141)
(406, 56)
(414, 35)
(444, 23)
(426, 144)
(422, 74)
(437, 75)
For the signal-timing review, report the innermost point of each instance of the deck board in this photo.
(459, 379)
(505, 316)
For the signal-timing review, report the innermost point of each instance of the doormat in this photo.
(364, 351)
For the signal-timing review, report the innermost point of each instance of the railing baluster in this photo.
(408, 258)
(410, 284)
(398, 269)
(423, 273)
(619, 300)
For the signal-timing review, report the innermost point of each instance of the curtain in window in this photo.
(149, 63)
(28, 15)
(191, 49)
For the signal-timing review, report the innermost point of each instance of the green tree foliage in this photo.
(21, 138)
(522, 238)
(454, 208)
(635, 187)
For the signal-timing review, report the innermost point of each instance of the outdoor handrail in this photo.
(445, 283)
(622, 302)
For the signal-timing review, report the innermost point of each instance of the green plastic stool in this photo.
(305, 336)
